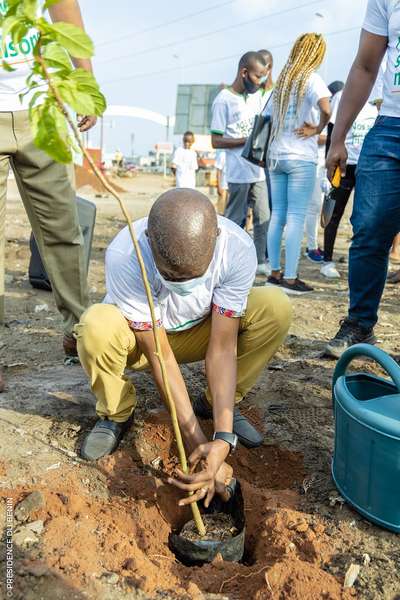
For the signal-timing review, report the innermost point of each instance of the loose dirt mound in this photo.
(87, 178)
(85, 539)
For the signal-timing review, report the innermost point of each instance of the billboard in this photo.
(193, 108)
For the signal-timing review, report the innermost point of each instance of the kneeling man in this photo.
(201, 270)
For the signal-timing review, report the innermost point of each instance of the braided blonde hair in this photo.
(306, 56)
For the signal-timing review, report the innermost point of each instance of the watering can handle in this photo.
(360, 350)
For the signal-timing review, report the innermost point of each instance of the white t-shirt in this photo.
(233, 117)
(288, 146)
(361, 126)
(19, 57)
(383, 18)
(377, 90)
(229, 279)
(335, 101)
(220, 164)
(185, 161)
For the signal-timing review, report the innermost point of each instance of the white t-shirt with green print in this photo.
(383, 18)
(19, 57)
(233, 117)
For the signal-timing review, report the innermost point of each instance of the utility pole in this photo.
(132, 145)
(102, 136)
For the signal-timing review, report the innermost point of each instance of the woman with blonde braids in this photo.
(294, 154)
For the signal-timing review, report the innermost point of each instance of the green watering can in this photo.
(366, 463)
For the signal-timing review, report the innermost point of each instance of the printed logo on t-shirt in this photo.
(21, 52)
(360, 129)
(243, 127)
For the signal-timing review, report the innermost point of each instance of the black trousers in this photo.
(341, 196)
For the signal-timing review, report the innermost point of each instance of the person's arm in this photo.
(308, 130)
(219, 142)
(357, 90)
(221, 367)
(219, 182)
(214, 475)
(68, 11)
(191, 430)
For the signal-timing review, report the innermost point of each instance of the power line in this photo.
(165, 23)
(209, 33)
(215, 60)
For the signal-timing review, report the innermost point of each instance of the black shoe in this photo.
(394, 278)
(273, 281)
(350, 333)
(297, 288)
(104, 438)
(247, 434)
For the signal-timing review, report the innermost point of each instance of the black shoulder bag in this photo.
(256, 147)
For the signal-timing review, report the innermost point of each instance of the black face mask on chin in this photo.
(249, 86)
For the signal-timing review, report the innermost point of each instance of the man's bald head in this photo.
(182, 230)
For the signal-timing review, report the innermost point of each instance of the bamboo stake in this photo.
(179, 441)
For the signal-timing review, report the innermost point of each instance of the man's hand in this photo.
(337, 157)
(214, 477)
(87, 122)
(306, 130)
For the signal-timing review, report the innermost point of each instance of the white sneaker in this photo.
(329, 270)
(263, 269)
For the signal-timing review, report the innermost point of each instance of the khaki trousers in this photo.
(106, 346)
(50, 203)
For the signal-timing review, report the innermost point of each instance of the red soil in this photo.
(286, 550)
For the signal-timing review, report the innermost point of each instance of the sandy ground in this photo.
(101, 531)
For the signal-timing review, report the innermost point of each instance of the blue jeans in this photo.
(292, 187)
(375, 219)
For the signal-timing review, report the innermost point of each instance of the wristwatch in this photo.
(229, 438)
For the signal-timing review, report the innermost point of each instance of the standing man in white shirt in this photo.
(44, 184)
(376, 212)
(233, 115)
(184, 163)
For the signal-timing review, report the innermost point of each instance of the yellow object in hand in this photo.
(337, 178)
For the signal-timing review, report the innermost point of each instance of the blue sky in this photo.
(132, 68)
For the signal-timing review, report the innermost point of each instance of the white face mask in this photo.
(183, 288)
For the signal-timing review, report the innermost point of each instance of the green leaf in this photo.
(51, 132)
(100, 103)
(50, 3)
(35, 97)
(85, 79)
(80, 102)
(88, 84)
(12, 7)
(73, 39)
(7, 67)
(30, 9)
(19, 31)
(7, 26)
(56, 57)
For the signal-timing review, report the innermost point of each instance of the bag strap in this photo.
(267, 102)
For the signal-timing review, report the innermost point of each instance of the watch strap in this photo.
(228, 437)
